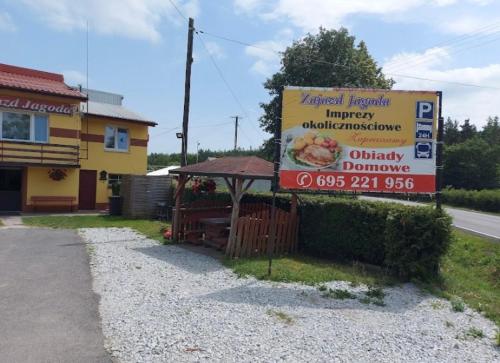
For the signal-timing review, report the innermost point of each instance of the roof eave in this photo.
(46, 93)
(143, 122)
(222, 175)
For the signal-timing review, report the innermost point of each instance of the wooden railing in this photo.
(253, 230)
(30, 153)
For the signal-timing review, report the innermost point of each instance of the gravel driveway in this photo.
(165, 303)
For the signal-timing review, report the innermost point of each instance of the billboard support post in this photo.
(275, 182)
(439, 151)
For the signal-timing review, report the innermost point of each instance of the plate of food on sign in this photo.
(313, 150)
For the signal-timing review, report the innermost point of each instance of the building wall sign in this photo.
(32, 105)
(358, 140)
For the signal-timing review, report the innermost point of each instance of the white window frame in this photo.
(115, 149)
(32, 127)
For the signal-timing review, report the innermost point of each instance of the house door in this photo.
(10, 189)
(87, 193)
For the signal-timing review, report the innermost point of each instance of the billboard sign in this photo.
(358, 140)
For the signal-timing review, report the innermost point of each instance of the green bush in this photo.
(415, 240)
(409, 241)
(485, 200)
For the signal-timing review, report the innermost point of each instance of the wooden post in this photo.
(293, 205)
(187, 92)
(178, 199)
(236, 191)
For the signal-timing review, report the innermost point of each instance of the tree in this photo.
(472, 164)
(451, 132)
(328, 59)
(491, 131)
(467, 131)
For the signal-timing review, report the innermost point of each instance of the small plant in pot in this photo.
(115, 200)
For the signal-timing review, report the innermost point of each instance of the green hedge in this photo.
(485, 200)
(408, 241)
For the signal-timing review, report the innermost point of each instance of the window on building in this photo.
(114, 179)
(116, 138)
(18, 126)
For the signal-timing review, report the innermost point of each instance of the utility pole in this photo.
(236, 119)
(197, 151)
(187, 91)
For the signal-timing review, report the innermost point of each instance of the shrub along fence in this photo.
(408, 241)
(487, 200)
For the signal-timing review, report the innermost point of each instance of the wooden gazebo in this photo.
(238, 173)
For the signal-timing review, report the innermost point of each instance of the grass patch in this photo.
(470, 273)
(437, 305)
(375, 293)
(378, 302)
(474, 333)
(457, 305)
(497, 338)
(365, 300)
(308, 270)
(280, 315)
(338, 294)
(151, 229)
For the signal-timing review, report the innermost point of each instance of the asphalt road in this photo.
(48, 312)
(483, 224)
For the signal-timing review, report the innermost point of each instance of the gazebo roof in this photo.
(247, 167)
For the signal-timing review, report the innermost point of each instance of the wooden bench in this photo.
(58, 200)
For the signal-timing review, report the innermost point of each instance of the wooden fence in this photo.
(254, 227)
(190, 228)
(141, 195)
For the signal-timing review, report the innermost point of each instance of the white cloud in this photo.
(6, 23)
(215, 50)
(247, 5)
(308, 15)
(459, 101)
(266, 52)
(129, 18)
(74, 78)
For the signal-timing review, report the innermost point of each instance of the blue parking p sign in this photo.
(425, 110)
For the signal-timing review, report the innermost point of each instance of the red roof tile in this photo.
(250, 167)
(32, 80)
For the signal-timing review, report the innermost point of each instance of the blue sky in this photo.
(137, 48)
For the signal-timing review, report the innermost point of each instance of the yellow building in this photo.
(60, 151)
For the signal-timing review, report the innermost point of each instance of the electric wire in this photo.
(178, 10)
(320, 61)
(475, 35)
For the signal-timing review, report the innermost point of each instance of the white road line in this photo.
(477, 232)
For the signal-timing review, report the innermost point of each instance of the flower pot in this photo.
(115, 205)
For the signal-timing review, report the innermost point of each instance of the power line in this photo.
(350, 67)
(453, 50)
(192, 127)
(240, 42)
(472, 36)
(221, 75)
(178, 10)
(442, 81)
